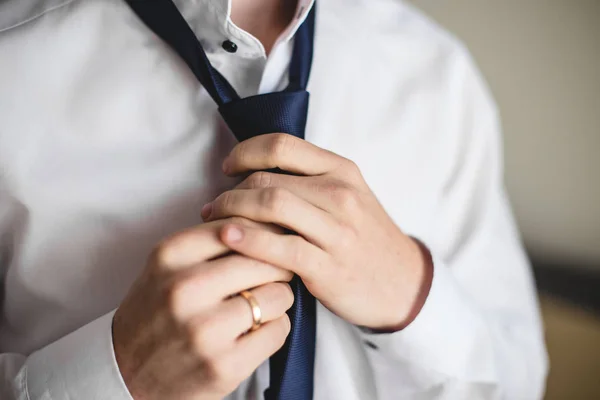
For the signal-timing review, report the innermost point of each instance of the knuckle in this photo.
(274, 199)
(281, 145)
(351, 168)
(296, 254)
(214, 370)
(227, 200)
(201, 338)
(243, 152)
(281, 293)
(175, 298)
(346, 198)
(286, 276)
(287, 295)
(223, 374)
(260, 179)
(182, 297)
(160, 255)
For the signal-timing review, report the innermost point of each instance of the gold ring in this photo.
(256, 312)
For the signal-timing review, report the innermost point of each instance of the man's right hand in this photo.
(181, 332)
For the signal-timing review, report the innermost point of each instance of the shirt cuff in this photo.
(81, 365)
(446, 336)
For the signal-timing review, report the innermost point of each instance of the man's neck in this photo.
(264, 19)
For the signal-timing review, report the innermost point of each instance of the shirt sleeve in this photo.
(80, 365)
(479, 333)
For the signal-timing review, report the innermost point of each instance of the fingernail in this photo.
(234, 235)
(206, 210)
(226, 165)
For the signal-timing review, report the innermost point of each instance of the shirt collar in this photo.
(211, 22)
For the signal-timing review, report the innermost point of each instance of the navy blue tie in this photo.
(286, 111)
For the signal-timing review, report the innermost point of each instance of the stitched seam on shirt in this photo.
(36, 16)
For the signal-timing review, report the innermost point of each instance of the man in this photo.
(146, 254)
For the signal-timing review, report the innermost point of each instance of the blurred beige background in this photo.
(541, 59)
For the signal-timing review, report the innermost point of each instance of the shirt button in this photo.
(229, 46)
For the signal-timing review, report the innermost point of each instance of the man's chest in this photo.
(108, 144)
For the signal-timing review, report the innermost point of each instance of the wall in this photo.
(542, 61)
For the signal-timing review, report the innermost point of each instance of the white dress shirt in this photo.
(108, 143)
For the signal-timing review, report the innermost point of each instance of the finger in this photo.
(278, 150)
(253, 349)
(208, 284)
(290, 252)
(217, 330)
(329, 194)
(196, 245)
(247, 222)
(278, 206)
(274, 299)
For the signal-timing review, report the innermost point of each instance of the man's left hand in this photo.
(349, 253)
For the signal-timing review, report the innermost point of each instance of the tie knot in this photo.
(280, 112)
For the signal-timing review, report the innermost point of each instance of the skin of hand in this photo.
(350, 254)
(182, 332)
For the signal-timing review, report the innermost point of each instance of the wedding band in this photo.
(256, 312)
